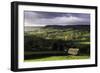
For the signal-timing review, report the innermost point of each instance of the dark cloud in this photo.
(55, 18)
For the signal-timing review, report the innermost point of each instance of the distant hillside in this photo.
(31, 28)
(68, 26)
(80, 27)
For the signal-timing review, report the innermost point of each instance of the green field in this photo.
(52, 58)
(54, 40)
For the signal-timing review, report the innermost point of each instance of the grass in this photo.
(51, 58)
(84, 42)
(43, 52)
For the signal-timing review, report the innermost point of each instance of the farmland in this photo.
(53, 40)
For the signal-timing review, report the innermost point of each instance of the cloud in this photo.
(33, 18)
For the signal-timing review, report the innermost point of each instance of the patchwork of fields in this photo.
(38, 40)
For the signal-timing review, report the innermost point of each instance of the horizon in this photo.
(55, 25)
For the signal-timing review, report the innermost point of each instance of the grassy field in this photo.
(42, 43)
(43, 52)
(51, 58)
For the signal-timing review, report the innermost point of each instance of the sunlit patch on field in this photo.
(52, 58)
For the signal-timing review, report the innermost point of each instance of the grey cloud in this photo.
(40, 18)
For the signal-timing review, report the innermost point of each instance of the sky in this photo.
(37, 18)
